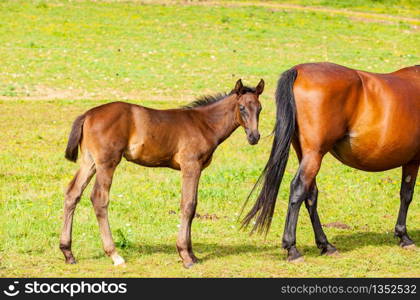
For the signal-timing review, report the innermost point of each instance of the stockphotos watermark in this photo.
(70, 289)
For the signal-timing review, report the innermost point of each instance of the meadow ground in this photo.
(58, 59)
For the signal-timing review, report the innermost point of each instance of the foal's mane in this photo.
(209, 99)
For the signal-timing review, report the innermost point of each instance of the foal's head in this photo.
(248, 109)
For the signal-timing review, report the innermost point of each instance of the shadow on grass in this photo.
(356, 240)
(344, 243)
(352, 241)
(208, 251)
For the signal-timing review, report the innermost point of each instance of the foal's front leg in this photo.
(190, 178)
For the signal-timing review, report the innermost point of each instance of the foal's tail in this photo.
(75, 138)
(273, 172)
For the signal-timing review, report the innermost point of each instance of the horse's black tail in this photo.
(75, 138)
(273, 172)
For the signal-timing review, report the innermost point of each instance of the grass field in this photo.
(59, 58)
(403, 8)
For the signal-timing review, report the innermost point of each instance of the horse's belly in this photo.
(367, 155)
(150, 155)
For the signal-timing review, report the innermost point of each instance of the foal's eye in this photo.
(241, 107)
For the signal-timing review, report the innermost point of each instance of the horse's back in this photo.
(411, 73)
(107, 114)
(401, 85)
(393, 99)
(368, 121)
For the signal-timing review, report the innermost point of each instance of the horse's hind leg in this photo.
(72, 197)
(321, 239)
(100, 201)
(300, 189)
(409, 175)
(311, 203)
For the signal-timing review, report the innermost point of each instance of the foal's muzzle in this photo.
(253, 137)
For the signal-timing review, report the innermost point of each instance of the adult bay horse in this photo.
(182, 139)
(367, 121)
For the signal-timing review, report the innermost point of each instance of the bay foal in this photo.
(366, 120)
(182, 139)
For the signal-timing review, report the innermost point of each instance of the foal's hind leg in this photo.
(409, 175)
(321, 239)
(100, 201)
(72, 197)
(299, 191)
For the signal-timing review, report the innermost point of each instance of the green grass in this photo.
(406, 8)
(60, 58)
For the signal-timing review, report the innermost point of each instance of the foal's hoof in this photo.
(118, 260)
(71, 261)
(120, 264)
(194, 259)
(188, 265)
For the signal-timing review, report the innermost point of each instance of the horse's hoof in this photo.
(409, 247)
(188, 265)
(299, 259)
(329, 251)
(293, 255)
(333, 253)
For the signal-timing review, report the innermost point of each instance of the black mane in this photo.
(209, 99)
(206, 100)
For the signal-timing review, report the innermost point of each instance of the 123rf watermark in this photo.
(63, 288)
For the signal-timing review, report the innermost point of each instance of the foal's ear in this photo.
(260, 87)
(238, 87)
